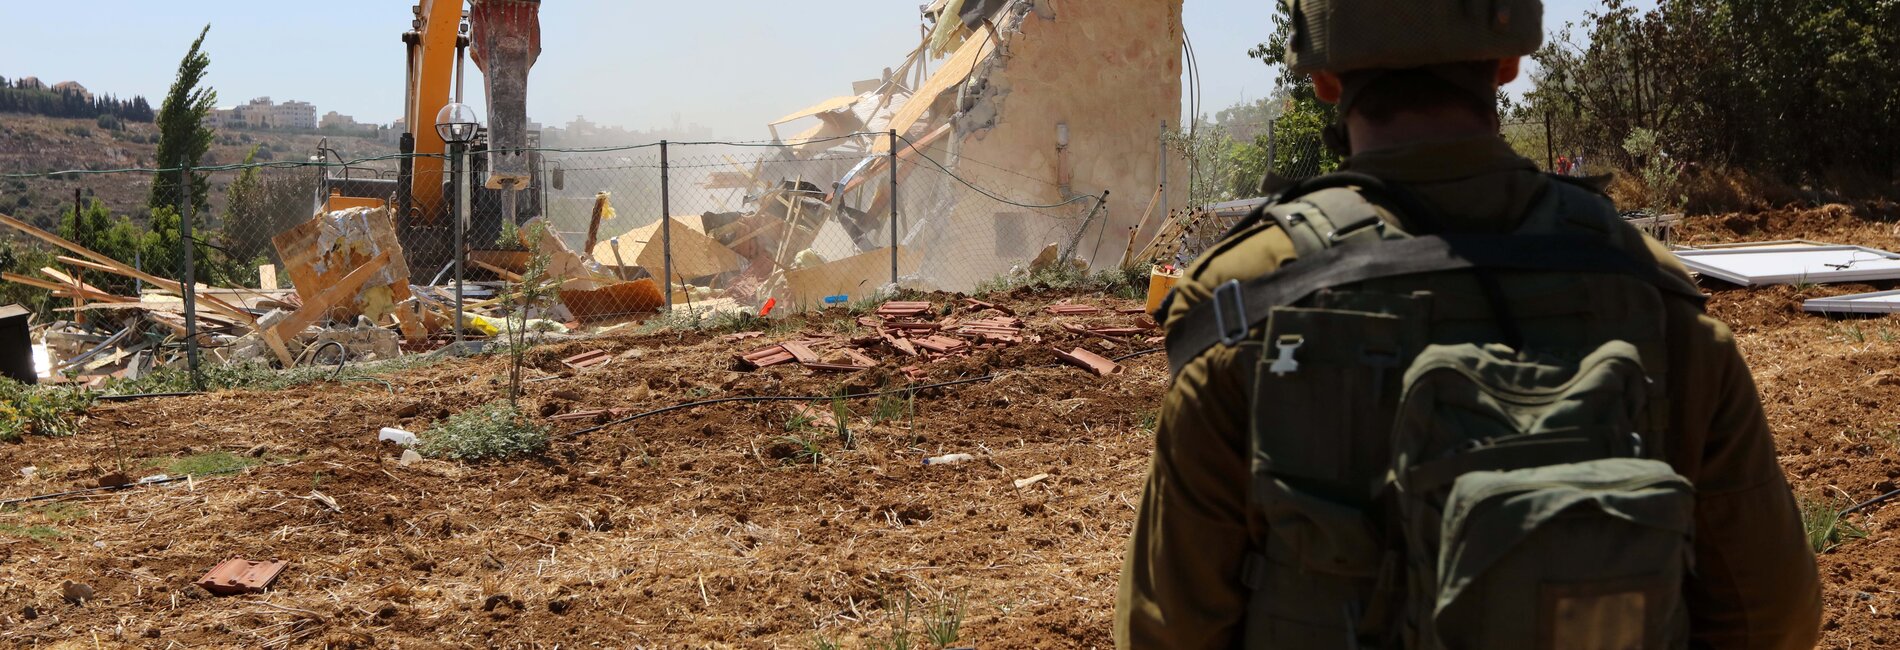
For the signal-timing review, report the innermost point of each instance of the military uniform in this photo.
(1754, 583)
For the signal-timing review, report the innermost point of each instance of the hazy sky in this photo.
(729, 65)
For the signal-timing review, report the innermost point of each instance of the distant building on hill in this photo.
(262, 113)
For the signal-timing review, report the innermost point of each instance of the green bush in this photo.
(40, 410)
(492, 431)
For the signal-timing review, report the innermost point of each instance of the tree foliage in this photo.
(39, 100)
(183, 140)
(183, 137)
(1800, 91)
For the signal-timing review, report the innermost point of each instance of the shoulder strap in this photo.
(1236, 307)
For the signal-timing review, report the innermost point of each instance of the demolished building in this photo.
(1013, 118)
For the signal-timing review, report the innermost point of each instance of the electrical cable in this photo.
(984, 192)
(814, 398)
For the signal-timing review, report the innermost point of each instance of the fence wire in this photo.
(363, 251)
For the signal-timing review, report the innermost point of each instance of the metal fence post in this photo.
(190, 293)
(893, 208)
(1273, 151)
(666, 229)
(460, 225)
(1550, 146)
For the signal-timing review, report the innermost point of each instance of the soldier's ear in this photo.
(1507, 69)
(1326, 86)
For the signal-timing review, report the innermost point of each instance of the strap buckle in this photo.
(1230, 291)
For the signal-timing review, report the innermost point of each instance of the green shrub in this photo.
(492, 431)
(41, 410)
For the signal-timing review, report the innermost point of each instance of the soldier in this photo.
(1479, 411)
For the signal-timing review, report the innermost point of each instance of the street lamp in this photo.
(457, 124)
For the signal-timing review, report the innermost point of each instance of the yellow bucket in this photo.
(1159, 282)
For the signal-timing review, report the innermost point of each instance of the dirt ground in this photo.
(706, 527)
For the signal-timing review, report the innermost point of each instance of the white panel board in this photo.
(1878, 302)
(1793, 265)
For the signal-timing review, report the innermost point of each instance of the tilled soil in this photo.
(700, 527)
(714, 527)
(1830, 387)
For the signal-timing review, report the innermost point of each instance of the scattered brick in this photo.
(800, 352)
(942, 344)
(587, 359)
(1072, 310)
(1090, 361)
(741, 336)
(239, 576)
(770, 355)
(900, 309)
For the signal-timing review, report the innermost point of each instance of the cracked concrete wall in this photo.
(1110, 70)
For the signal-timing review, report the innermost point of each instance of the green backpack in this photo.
(1456, 438)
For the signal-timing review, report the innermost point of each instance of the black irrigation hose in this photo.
(108, 488)
(814, 398)
(132, 396)
(1870, 503)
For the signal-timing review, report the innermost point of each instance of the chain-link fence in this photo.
(289, 257)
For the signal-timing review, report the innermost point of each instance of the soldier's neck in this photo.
(1414, 128)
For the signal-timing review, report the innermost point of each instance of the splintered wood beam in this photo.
(344, 288)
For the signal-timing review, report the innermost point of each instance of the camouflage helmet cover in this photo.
(1346, 35)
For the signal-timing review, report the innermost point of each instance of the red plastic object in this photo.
(240, 576)
(767, 308)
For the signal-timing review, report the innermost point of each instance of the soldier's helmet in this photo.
(1347, 35)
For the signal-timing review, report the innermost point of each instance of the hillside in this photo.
(35, 144)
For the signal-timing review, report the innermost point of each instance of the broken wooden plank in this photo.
(317, 307)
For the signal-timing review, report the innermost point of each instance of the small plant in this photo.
(533, 289)
(1150, 421)
(212, 462)
(806, 449)
(1826, 530)
(899, 638)
(820, 642)
(1888, 336)
(59, 512)
(842, 415)
(944, 621)
(41, 410)
(492, 431)
(890, 407)
(35, 533)
(1855, 334)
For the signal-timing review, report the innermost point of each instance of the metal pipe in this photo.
(893, 206)
(461, 225)
(190, 276)
(666, 228)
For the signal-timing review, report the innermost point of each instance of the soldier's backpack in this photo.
(1456, 438)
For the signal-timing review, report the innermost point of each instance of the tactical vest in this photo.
(1457, 438)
